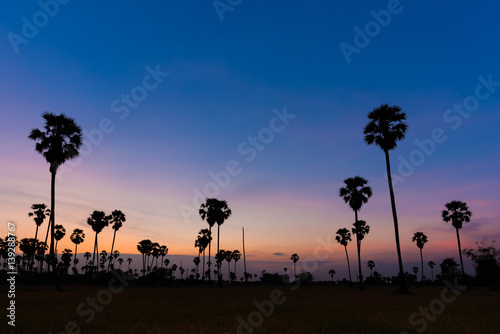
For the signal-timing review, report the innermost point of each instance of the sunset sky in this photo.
(171, 97)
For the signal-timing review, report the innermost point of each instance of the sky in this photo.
(261, 104)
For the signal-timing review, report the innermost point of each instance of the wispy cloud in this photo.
(279, 254)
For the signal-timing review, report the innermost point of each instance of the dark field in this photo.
(200, 309)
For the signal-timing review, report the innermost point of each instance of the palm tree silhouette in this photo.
(97, 220)
(415, 271)
(214, 211)
(332, 273)
(144, 247)
(421, 239)
(59, 233)
(343, 237)
(236, 257)
(458, 213)
(202, 242)
(117, 218)
(371, 265)
(77, 238)
(385, 128)
(360, 229)
(59, 143)
(431, 264)
(87, 256)
(295, 259)
(40, 211)
(163, 253)
(120, 262)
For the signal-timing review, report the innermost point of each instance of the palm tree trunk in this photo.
(218, 262)
(402, 281)
(95, 247)
(348, 265)
(203, 271)
(460, 252)
(422, 264)
(209, 261)
(112, 246)
(52, 215)
(74, 259)
(358, 243)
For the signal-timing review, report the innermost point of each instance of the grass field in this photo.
(200, 309)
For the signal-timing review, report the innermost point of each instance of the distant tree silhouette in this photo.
(117, 218)
(449, 269)
(58, 143)
(236, 255)
(163, 253)
(155, 253)
(87, 256)
(40, 211)
(295, 259)
(421, 239)
(214, 211)
(431, 264)
(98, 221)
(360, 229)
(77, 238)
(129, 261)
(202, 242)
(120, 262)
(458, 213)
(343, 237)
(371, 265)
(59, 233)
(332, 273)
(385, 128)
(41, 248)
(145, 247)
(415, 270)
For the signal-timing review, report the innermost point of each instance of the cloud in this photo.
(279, 254)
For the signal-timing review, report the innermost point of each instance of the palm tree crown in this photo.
(457, 212)
(386, 127)
(355, 192)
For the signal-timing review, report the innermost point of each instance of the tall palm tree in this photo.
(236, 257)
(77, 238)
(385, 128)
(40, 211)
(163, 253)
(144, 247)
(59, 233)
(343, 237)
(204, 239)
(129, 261)
(421, 239)
(117, 218)
(214, 211)
(371, 265)
(431, 264)
(58, 143)
(295, 259)
(98, 221)
(356, 192)
(458, 213)
(360, 229)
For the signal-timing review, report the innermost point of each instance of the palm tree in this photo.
(431, 264)
(415, 271)
(343, 237)
(40, 211)
(163, 253)
(144, 247)
(236, 257)
(196, 262)
(295, 259)
(355, 193)
(59, 143)
(421, 239)
(214, 211)
(228, 255)
(117, 218)
(120, 262)
(371, 265)
(59, 233)
(360, 229)
(332, 273)
(77, 238)
(129, 261)
(98, 221)
(458, 213)
(385, 128)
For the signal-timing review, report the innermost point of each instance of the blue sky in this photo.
(225, 78)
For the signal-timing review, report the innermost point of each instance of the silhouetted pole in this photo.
(244, 257)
